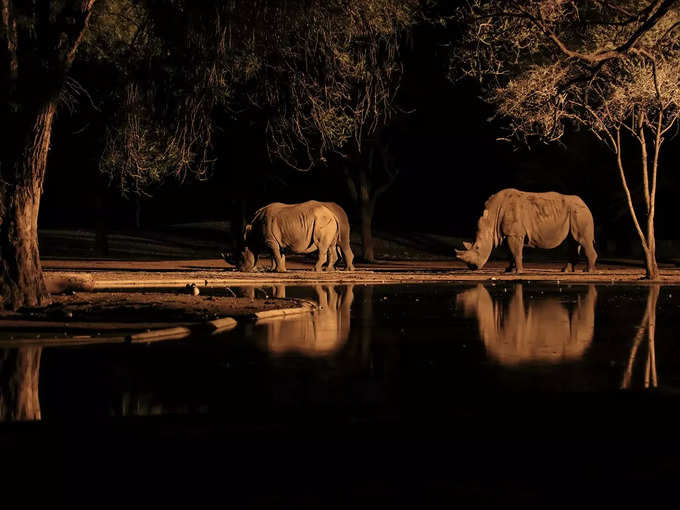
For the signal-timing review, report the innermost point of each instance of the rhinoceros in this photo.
(298, 228)
(544, 220)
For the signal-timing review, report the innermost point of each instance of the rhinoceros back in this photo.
(293, 226)
(544, 218)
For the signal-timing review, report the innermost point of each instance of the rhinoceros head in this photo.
(246, 260)
(475, 255)
(470, 255)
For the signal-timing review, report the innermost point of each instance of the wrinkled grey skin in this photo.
(343, 234)
(298, 228)
(543, 220)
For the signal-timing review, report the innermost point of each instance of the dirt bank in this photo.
(113, 274)
(152, 307)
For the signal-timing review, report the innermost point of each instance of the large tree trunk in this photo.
(33, 71)
(19, 369)
(365, 187)
(21, 278)
(367, 209)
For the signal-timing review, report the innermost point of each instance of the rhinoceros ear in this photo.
(468, 246)
(247, 229)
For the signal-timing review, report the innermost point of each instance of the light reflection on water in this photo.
(365, 344)
(19, 371)
(320, 333)
(540, 330)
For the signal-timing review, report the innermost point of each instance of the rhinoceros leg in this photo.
(325, 237)
(588, 244)
(279, 260)
(516, 244)
(583, 231)
(332, 257)
(347, 255)
(323, 256)
(574, 249)
(591, 254)
(511, 258)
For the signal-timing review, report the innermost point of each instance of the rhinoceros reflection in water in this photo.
(539, 331)
(19, 370)
(317, 334)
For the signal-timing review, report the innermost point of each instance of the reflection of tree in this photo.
(648, 325)
(19, 384)
(542, 330)
(320, 333)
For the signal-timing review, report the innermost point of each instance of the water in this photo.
(370, 353)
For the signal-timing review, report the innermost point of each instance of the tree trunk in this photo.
(647, 241)
(367, 210)
(651, 266)
(33, 71)
(19, 369)
(21, 277)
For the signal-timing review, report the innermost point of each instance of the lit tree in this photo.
(175, 64)
(612, 68)
(329, 75)
(38, 43)
(320, 78)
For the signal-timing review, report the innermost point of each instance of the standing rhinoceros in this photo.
(544, 220)
(298, 228)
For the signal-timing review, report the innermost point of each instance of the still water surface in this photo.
(368, 350)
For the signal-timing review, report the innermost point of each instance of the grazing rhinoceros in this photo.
(297, 228)
(544, 220)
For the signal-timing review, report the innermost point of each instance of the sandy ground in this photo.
(114, 274)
